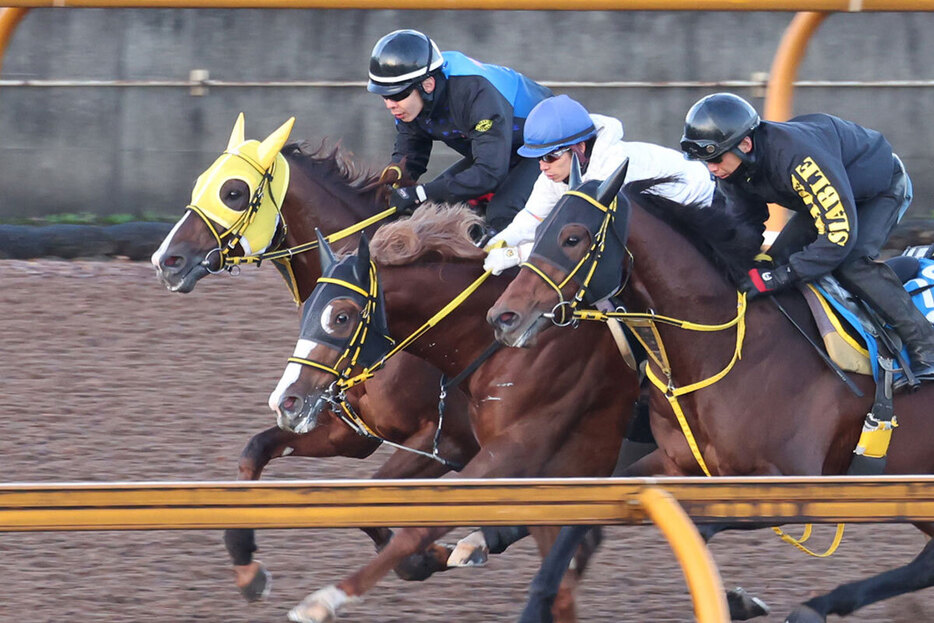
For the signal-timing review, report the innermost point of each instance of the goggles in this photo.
(554, 155)
(401, 95)
(701, 150)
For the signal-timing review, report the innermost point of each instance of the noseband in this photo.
(231, 237)
(562, 314)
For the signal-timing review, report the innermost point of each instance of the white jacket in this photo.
(646, 161)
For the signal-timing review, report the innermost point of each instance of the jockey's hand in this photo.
(406, 199)
(501, 258)
(766, 281)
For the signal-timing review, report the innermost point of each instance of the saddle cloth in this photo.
(849, 337)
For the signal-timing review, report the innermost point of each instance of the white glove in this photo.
(501, 258)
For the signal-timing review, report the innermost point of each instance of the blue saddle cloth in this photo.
(918, 277)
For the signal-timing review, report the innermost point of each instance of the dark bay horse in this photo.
(777, 410)
(323, 190)
(536, 412)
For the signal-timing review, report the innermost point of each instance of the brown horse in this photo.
(532, 412)
(323, 191)
(778, 410)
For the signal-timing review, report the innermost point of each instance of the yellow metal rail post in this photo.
(699, 569)
(779, 94)
(9, 19)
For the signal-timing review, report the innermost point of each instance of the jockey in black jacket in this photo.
(846, 187)
(476, 109)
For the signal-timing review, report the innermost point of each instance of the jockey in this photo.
(476, 109)
(846, 187)
(559, 127)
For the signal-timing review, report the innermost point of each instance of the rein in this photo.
(645, 327)
(336, 393)
(290, 252)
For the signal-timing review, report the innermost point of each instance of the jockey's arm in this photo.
(487, 121)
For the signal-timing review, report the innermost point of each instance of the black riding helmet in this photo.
(401, 59)
(716, 124)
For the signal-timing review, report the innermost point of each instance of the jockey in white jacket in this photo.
(559, 127)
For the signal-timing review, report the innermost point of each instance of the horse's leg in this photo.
(323, 606)
(402, 464)
(844, 599)
(563, 605)
(250, 576)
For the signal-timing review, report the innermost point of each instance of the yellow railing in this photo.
(670, 502)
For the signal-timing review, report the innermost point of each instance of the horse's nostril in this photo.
(288, 404)
(172, 261)
(508, 318)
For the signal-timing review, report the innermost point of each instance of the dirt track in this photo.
(106, 376)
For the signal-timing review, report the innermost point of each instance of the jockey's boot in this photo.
(876, 283)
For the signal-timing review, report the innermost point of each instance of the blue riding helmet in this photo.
(555, 123)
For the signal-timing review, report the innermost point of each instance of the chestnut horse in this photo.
(536, 412)
(323, 191)
(777, 410)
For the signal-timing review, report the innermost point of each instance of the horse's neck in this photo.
(414, 293)
(310, 205)
(672, 277)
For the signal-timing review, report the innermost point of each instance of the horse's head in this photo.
(234, 210)
(577, 258)
(343, 328)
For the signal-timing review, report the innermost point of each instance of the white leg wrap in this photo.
(470, 551)
(322, 606)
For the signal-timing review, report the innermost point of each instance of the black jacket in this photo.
(814, 164)
(470, 115)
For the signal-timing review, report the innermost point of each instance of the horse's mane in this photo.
(729, 243)
(433, 228)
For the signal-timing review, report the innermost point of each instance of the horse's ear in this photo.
(575, 178)
(609, 188)
(236, 137)
(269, 148)
(362, 267)
(324, 252)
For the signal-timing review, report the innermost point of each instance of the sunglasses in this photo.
(555, 155)
(401, 95)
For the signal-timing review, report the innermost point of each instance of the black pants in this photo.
(510, 196)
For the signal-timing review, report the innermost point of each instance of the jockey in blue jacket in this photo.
(476, 109)
(846, 187)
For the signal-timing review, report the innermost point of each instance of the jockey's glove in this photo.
(406, 199)
(502, 258)
(766, 280)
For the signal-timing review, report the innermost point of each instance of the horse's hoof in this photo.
(805, 614)
(744, 606)
(471, 551)
(321, 606)
(259, 586)
(422, 565)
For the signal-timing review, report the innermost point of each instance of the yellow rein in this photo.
(660, 359)
(366, 373)
(313, 244)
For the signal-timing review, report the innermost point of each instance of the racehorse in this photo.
(533, 411)
(682, 263)
(322, 190)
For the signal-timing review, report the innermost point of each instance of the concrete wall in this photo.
(138, 150)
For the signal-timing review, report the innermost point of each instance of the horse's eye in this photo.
(341, 318)
(233, 195)
(571, 241)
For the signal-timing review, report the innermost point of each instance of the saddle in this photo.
(859, 342)
(856, 340)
